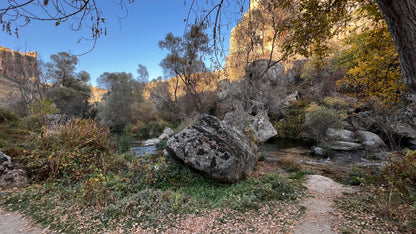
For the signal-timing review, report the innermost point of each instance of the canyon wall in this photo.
(15, 67)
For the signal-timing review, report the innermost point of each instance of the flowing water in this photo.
(142, 150)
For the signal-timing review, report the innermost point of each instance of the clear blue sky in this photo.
(129, 42)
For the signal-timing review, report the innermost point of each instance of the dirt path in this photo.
(318, 216)
(12, 222)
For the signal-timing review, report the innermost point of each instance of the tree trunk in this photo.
(400, 16)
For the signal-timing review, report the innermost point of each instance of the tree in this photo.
(117, 108)
(143, 74)
(70, 91)
(28, 84)
(400, 16)
(372, 64)
(185, 61)
(315, 21)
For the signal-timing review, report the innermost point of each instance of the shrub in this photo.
(151, 129)
(291, 125)
(341, 105)
(77, 150)
(400, 177)
(146, 112)
(336, 102)
(123, 142)
(355, 177)
(8, 117)
(318, 119)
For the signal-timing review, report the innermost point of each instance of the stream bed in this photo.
(139, 150)
(297, 155)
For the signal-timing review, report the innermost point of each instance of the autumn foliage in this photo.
(373, 66)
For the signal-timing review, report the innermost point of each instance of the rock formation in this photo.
(10, 174)
(346, 140)
(259, 125)
(18, 67)
(214, 149)
(253, 38)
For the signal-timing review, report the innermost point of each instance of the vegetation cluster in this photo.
(84, 178)
(78, 170)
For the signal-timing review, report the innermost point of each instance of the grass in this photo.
(129, 198)
(9, 132)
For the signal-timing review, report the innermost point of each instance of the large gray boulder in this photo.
(10, 174)
(259, 124)
(167, 132)
(371, 141)
(214, 149)
(340, 135)
(342, 140)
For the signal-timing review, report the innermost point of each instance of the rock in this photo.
(340, 135)
(168, 131)
(163, 136)
(344, 145)
(362, 120)
(10, 174)
(214, 149)
(268, 71)
(406, 131)
(370, 141)
(260, 125)
(269, 159)
(153, 141)
(19, 67)
(318, 151)
(295, 70)
(289, 99)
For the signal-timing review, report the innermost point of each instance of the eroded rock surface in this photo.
(214, 149)
(259, 124)
(370, 141)
(10, 174)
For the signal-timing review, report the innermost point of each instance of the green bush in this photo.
(122, 141)
(355, 177)
(318, 119)
(150, 130)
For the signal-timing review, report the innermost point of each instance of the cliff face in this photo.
(96, 94)
(18, 64)
(19, 67)
(253, 38)
(256, 36)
